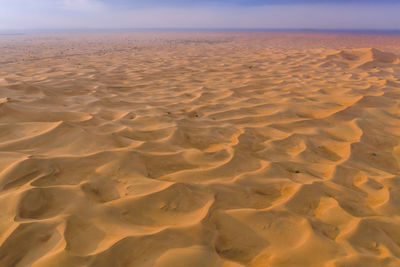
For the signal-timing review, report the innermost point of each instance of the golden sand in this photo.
(199, 149)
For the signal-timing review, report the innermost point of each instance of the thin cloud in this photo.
(82, 5)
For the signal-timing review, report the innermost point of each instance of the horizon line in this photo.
(293, 30)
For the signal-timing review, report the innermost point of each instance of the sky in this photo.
(204, 14)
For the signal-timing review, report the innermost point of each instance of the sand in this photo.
(199, 149)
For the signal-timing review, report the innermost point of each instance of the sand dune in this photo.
(363, 58)
(189, 149)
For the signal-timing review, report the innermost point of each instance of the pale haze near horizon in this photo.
(84, 14)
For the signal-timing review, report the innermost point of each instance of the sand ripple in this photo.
(199, 151)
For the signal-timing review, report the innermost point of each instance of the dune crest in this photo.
(199, 149)
(366, 58)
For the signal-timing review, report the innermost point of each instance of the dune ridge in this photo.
(199, 150)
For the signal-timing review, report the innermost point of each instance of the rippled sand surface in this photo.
(199, 149)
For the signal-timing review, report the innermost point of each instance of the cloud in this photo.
(82, 5)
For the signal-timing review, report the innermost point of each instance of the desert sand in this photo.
(199, 149)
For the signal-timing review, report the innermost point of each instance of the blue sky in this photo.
(322, 14)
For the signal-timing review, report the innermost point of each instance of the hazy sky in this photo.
(334, 14)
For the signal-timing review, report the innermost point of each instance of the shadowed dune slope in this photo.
(188, 149)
